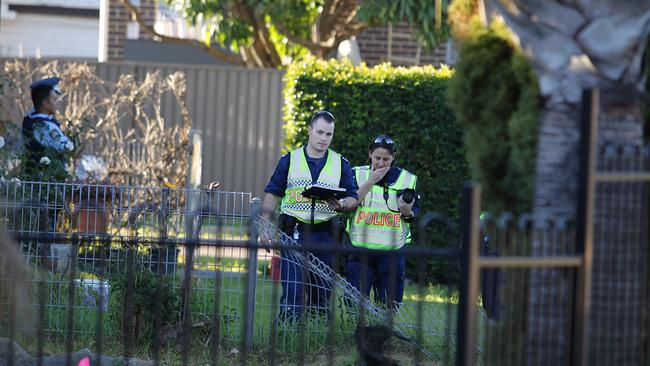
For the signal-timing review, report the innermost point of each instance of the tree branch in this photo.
(264, 48)
(325, 19)
(213, 51)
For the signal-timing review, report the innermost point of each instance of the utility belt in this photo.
(288, 224)
(372, 254)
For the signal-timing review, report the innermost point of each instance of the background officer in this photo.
(387, 205)
(42, 133)
(307, 223)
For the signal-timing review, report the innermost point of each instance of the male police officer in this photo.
(44, 140)
(308, 222)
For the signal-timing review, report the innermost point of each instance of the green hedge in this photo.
(407, 104)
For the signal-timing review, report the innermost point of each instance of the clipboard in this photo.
(322, 193)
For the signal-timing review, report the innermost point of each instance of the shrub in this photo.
(144, 300)
(494, 96)
(408, 104)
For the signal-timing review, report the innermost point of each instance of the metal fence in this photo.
(564, 291)
(145, 272)
(181, 276)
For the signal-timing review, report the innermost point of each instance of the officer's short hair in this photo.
(39, 94)
(327, 116)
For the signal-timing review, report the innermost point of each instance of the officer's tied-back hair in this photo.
(39, 94)
(327, 116)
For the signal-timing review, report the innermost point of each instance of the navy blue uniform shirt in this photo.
(278, 183)
(390, 178)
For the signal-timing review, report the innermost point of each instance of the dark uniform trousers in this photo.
(384, 272)
(304, 291)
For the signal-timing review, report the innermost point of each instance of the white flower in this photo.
(91, 167)
(2, 142)
(45, 160)
(13, 164)
(69, 145)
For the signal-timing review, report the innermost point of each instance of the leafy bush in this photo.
(408, 104)
(145, 301)
(494, 96)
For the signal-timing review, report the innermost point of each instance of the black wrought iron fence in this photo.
(179, 276)
(564, 291)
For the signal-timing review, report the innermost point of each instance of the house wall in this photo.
(373, 45)
(64, 36)
(118, 21)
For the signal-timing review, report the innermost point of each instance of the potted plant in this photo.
(93, 195)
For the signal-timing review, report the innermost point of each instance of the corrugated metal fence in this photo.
(239, 111)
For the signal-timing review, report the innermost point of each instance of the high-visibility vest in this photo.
(299, 176)
(374, 225)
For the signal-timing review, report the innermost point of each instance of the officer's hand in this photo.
(265, 240)
(336, 204)
(405, 209)
(264, 236)
(378, 174)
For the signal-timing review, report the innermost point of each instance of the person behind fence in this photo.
(311, 222)
(45, 142)
(387, 205)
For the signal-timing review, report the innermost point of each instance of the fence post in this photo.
(251, 276)
(193, 177)
(192, 215)
(584, 225)
(469, 275)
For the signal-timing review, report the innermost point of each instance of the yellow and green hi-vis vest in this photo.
(299, 176)
(374, 225)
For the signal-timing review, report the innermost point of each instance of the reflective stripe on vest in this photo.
(374, 225)
(299, 176)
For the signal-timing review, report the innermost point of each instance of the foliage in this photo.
(271, 33)
(409, 104)
(494, 95)
(120, 122)
(144, 298)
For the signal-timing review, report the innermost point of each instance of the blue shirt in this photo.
(278, 183)
(391, 178)
(46, 131)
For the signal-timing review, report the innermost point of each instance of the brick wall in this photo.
(373, 45)
(119, 18)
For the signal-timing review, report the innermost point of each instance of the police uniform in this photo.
(42, 133)
(378, 225)
(294, 171)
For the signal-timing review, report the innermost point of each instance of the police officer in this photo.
(381, 223)
(45, 143)
(313, 223)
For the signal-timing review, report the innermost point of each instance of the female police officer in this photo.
(309, 222)
(387, 205)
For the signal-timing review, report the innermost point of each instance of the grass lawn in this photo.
(311, 341)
